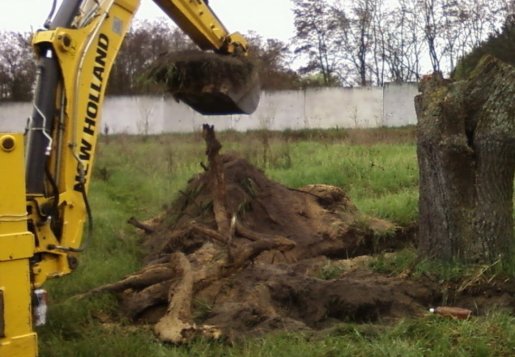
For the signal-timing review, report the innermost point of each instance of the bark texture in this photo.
(466, 155)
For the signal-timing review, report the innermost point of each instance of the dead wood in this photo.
(174, 242)
(217, 181)
(134, 302)
(145, 227)
(149, 275)
(176, 325)
(248, 252)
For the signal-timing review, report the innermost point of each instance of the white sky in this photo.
(268, 18)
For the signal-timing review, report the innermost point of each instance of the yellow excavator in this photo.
(45, 174)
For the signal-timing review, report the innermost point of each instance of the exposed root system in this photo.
(238, 254)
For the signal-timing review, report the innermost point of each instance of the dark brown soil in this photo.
(208, 82)
(238, 254)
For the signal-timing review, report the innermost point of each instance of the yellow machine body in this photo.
(16, 247)
(41, 229)
(85, 56)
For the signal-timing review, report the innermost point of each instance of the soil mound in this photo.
(239, 254)
(316, 220)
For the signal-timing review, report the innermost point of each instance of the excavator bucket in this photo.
(210, 83)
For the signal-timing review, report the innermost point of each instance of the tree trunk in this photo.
(466, 155)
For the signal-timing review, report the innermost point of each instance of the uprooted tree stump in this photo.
(466, 155)
(240, 254)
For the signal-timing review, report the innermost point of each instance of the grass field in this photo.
(138, 176)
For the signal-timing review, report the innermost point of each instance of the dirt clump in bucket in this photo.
(208, 82)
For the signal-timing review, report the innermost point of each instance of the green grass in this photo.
(138, 176)
(381, 179)
(492, 335)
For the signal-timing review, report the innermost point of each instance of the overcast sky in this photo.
(268, 18)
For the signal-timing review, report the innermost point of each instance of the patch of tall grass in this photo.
(382, 179)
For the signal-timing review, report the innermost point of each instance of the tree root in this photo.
(176, 325)
(145, 227)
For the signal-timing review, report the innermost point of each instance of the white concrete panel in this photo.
(13, 116)
(278, 110)
(399, 104)
(177, 117)
(133, 115)
(343, 107)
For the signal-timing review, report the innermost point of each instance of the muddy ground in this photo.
(238, 254)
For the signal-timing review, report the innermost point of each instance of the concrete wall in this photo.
(312, 108)
(398, 104)
(13, 116)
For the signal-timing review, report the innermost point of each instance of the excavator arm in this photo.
(75, 55)
(197, 20)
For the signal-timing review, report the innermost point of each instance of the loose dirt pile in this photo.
(208, 82)
(238, 254)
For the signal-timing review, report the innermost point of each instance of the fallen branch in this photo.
(150, 275)
(145, 227)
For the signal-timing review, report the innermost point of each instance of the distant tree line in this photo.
(17, 69)
(337, 43)
(365, 42)
(143, 45)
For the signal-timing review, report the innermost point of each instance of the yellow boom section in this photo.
(85, 55)
(85, 52)
(198, 21)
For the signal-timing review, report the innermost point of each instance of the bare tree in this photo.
(361, 25)
(143, 45)
(17, 67)
(453, 28)
(272, 57)
(431, 28)
(316, 31)
(404, 40)
(379, 37)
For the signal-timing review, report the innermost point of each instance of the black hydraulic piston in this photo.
(44, 112)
